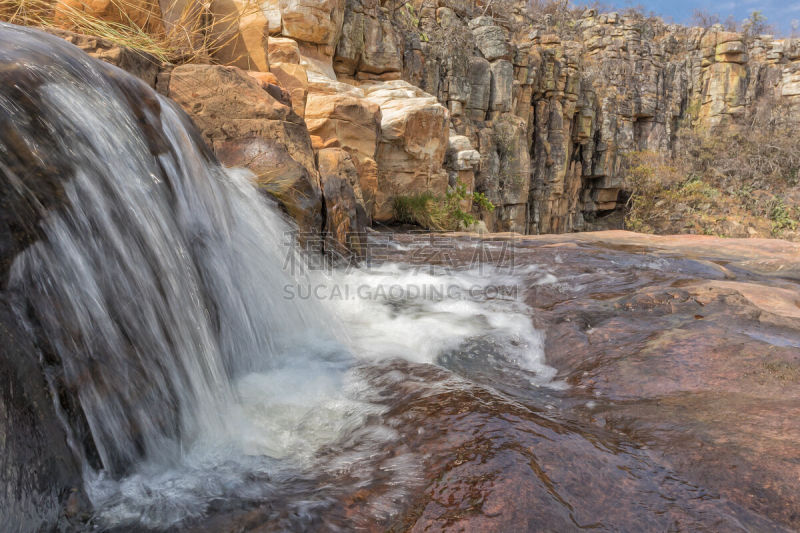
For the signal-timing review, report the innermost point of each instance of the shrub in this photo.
(737, 184)
(480, 201)
(781, 217)
(439, 213)
(421, 209)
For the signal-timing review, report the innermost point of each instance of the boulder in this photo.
(283, 50)
(343, 120)
(251, 127)
(412, 144)
(345, 216)
(294, 80)
(348, 121)
(731, 52)
(492, 40)
(242, 30)
(312, 21)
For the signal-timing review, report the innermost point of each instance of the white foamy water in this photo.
(417, 313)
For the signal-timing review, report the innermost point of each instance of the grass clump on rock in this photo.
(439, 213)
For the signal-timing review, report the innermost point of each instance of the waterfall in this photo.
(154, 282)
(157, 284)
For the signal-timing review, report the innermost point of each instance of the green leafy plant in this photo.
(439, 213)
(781, 218)
(453, 199)
(480, 200)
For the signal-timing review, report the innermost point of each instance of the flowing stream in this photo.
(161, 289)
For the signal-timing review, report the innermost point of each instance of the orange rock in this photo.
(264, 77)
(240, 33)
(412, 145)
(346, 120)
(283, 50)
(248, 126)
(294, 79)
(313, 21)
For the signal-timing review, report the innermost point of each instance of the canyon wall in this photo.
(536, 113)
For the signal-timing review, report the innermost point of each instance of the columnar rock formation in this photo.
(535, 114)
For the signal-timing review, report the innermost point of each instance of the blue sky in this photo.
(779, 13)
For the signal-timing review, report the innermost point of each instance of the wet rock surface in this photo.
(41, 487)
(681, 358)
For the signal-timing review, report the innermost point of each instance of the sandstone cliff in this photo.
(537, 113)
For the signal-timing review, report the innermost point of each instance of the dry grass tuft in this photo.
(184, 31)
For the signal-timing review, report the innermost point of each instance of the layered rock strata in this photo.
(536, 114)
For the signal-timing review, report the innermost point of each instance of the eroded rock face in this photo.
(412, 144)
(346, 217)
(341, 117)
(313, 21)
(370, 44)
(252, 127)
(491, 39)
(504, 172)
(587, 95)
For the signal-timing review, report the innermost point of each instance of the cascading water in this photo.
(157, 287)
